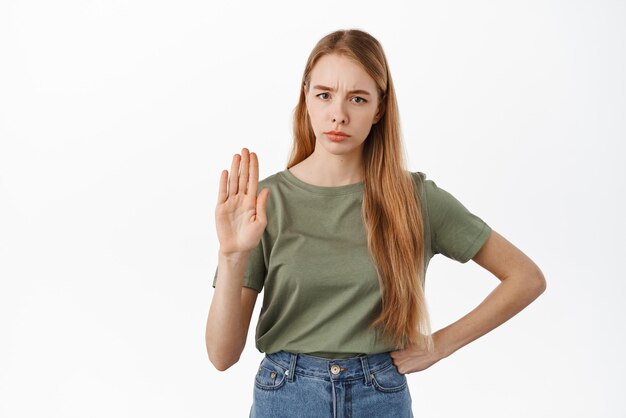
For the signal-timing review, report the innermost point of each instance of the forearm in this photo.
(225, 333)
(511, 296)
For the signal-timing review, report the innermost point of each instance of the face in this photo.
(341, 97)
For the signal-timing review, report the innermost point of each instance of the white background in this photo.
(116, 118)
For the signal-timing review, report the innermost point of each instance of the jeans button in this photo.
(334, 369)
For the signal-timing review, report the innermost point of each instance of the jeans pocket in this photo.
(270, 376)
(389, 379)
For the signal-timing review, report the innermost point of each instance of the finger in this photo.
(243, 176)
(222, 195)
(253, 181)
(261, 204)
(234, 176)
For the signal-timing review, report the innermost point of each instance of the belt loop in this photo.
(366, 370)
(292, 367)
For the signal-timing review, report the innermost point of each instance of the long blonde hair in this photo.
(391, 207)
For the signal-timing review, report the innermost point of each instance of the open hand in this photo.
(240, 217)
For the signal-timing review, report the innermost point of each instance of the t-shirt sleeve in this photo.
(254, 276)
(455, 231)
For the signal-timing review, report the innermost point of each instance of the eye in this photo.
(362, 100)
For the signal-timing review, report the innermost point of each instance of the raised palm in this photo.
(240, 216)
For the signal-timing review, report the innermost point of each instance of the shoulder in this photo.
(437, 200)
(424, 185)
(428, 187)
(270, 181)
(418, 175)
(421, 178)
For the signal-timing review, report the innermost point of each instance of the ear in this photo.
(377, 117)
(379, 112)
(306, 96)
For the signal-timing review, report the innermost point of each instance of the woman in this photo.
(340, 241)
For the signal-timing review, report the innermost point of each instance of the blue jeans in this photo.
(300, 385)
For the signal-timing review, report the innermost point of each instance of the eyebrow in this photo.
(319, 87)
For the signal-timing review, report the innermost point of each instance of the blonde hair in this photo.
(391, 207)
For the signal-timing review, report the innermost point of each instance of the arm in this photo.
(240, 220)
(521, 282)
(230, 313)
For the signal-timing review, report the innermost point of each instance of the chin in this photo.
(340, 148)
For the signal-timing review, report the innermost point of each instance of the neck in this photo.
(331, 170)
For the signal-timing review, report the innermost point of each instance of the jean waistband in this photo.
(336, 369)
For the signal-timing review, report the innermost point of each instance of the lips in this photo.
(337, 133)
(336, 136)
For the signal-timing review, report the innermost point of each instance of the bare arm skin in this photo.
(230, 313)
(521, 282)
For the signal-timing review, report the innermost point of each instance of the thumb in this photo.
(261, 204)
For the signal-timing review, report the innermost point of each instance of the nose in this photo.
(339, 115)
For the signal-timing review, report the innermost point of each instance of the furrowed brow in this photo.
(320, 87)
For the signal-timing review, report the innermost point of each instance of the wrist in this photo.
(233, 256)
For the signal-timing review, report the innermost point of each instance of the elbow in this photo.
(221, 365)
(539, 281)
(222, 362)
(531, 284)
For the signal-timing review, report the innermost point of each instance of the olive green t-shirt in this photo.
(320, 285)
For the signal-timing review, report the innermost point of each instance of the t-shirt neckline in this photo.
(335, 190)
